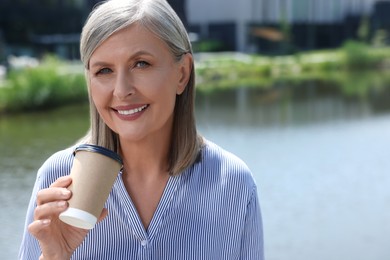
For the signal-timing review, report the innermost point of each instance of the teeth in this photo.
(132, 111)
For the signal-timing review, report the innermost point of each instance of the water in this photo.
(320, 161)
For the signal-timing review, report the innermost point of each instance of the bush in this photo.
(209, 46)
(45, 86)
(358, 56)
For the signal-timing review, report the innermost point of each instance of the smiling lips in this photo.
(132, 111)
(127, 113)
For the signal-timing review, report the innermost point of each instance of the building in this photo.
(266, 26)
(250, 25)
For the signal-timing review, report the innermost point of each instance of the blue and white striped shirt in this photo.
(210, 211)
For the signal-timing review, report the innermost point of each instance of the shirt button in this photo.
(144, 243)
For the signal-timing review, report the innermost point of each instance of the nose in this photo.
(123, 86)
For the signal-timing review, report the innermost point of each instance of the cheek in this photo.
(98, 90)
(166, 94)
(100, 97)
(96, 96)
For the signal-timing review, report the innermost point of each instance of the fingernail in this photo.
(65, 193)
(61, 203)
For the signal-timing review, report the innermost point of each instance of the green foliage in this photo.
(45, 86)
(380, 38)
(209, 46)
(54, 84)
(357, 55)
(339, 68)
(364, 29)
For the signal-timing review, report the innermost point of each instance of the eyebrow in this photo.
(104, 63)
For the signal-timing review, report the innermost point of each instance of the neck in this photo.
(145, 160)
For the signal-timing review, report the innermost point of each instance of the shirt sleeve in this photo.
(57, 165)
(252, 245)
(29, 248)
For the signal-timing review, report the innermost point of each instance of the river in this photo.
(321, 162)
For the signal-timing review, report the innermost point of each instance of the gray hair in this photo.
(158, 17)
(112, 16)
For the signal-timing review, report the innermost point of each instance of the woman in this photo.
(179, 196)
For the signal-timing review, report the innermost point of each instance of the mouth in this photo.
(129, 112)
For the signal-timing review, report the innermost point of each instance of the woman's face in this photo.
(134, 80)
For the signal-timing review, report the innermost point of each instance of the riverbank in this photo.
(349, 65)
(353, 69)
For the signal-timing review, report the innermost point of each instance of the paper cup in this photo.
(93, 173)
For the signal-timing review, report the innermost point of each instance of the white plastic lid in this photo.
(78, 218)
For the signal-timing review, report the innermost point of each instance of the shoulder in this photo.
(57, 165)
(218, 163)
(214, 156)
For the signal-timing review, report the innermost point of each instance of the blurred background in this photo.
(299, 89)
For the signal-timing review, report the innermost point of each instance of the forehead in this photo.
(134, 36)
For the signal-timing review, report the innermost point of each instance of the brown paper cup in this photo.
(93, 173)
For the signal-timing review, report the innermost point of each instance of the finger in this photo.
(48, 210)
(52, 194)
(56, 191)
(38, 227)
(63, 182)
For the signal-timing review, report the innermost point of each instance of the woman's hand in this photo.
(56, 239)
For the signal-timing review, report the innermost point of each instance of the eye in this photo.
(142, 64)
(103, 71)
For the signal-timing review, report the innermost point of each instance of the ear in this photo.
(185, 68)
